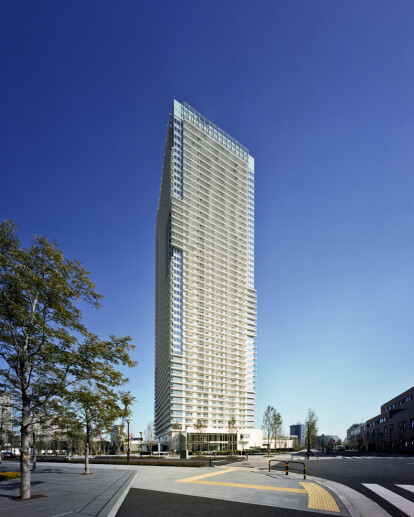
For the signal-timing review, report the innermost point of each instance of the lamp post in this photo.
(140, 449)
(308, 451)
(128, 421)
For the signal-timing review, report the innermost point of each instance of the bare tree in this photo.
(149, 436)
(267, 425)
(311, 428)
(276, 425)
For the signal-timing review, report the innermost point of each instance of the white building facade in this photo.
(205, 321)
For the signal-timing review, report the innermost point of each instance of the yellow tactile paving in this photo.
(319, 498)
(199, 481)
(255, 487)
(241, 469)
(195, 478)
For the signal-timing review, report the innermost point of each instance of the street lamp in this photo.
(128, 421)
(308, 451)
(140, 449)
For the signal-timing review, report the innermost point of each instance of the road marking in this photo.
(210, 474)
(396, 500)
(410, 488)
(242, 469)
(319, 498)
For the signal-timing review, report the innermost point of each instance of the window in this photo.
(404, 425)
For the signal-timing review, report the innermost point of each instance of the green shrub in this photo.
(5, 476)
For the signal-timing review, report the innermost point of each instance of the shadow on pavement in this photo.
(150, 503)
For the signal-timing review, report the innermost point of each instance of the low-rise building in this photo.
(288, 442)
(393, 429)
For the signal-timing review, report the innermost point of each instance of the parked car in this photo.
(8, 455)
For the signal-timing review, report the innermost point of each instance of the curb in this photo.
(121, 498)
(357, 504)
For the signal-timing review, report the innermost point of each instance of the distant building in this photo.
(282, 443)
(393, 429)
(326, 440)
(118, 437)
(299, 431)
(355, 436)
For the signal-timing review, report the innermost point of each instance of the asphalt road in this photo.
(149, 503)
(353, 471)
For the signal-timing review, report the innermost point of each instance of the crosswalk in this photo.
(400, 502)
(370, 457)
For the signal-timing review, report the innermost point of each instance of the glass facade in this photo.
(210, 442)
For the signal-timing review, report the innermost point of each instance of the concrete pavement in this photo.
(61, 489)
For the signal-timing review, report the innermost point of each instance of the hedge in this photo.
(5, 476)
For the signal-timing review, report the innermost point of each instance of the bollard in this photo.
(210, 462)
(286, 468)
(304, 471)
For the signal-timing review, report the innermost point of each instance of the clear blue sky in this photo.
(322, 94)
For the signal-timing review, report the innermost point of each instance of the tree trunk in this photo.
(87, 449)
(25, 450)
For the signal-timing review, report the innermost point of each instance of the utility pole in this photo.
(308, 451)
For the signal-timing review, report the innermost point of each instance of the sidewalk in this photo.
(66, 491)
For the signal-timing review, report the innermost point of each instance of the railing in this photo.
(287, 466)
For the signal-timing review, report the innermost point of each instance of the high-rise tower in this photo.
(205, 316)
